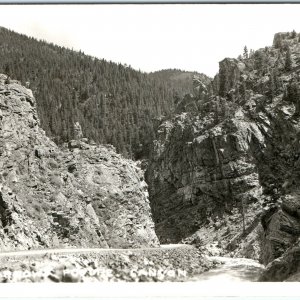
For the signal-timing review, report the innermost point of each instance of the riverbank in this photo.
(231, 270)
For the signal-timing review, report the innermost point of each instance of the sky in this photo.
(192, 37)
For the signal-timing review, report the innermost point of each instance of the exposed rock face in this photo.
(202, 175)
(285, 268)
(229, 75)
(83, 195)
(230, 173)
(282, 228)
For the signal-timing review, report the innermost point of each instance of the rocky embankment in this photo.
(132, 265)
(83, 195)
(284, 268)
(227, 171)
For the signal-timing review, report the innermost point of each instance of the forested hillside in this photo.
(113, 103)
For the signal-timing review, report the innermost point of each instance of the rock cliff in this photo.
(82, 195)
(227, 172)
(284, 268)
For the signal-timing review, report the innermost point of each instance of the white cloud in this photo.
(153, 37)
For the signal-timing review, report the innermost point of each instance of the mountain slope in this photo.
(113, 103)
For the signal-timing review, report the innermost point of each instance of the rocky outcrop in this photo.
(229, 75)
(229, 173)
(282, 228)
(284, 268)
(204, 175)
(83, 195)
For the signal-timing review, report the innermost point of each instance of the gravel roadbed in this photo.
(130, 265)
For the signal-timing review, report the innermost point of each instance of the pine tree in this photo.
(7, 70)
(177, 98)
(288, 60)
(243, 211)
(102, 96)
(245, 54)
(242, 91)
(260, 61)
(294, 34)
(293, 93)
(273, 85)
(278, 43)
(251, 53)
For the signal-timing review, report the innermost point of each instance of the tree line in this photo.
(113, 103)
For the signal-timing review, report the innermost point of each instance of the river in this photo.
(232, 270)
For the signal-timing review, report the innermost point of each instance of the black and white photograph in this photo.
(149, 143)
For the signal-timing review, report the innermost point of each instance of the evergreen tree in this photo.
(245, 54)
(177, 98)
(288, 60)
(273, 84)
(243, 212)
(107, 99)
(278, 43)
(260, 61)
(251, 53)
(242, 91)
(113, 103)
(7, 70)
(293, 93)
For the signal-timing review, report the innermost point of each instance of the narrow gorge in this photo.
(224, 170)
(218, 190)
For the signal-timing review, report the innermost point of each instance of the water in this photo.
(232, 270)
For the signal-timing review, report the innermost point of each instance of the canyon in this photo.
(221, 180)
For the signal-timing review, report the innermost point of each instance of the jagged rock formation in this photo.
(228, 172)
(284, 268)
(201, 171)
(83, 195)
